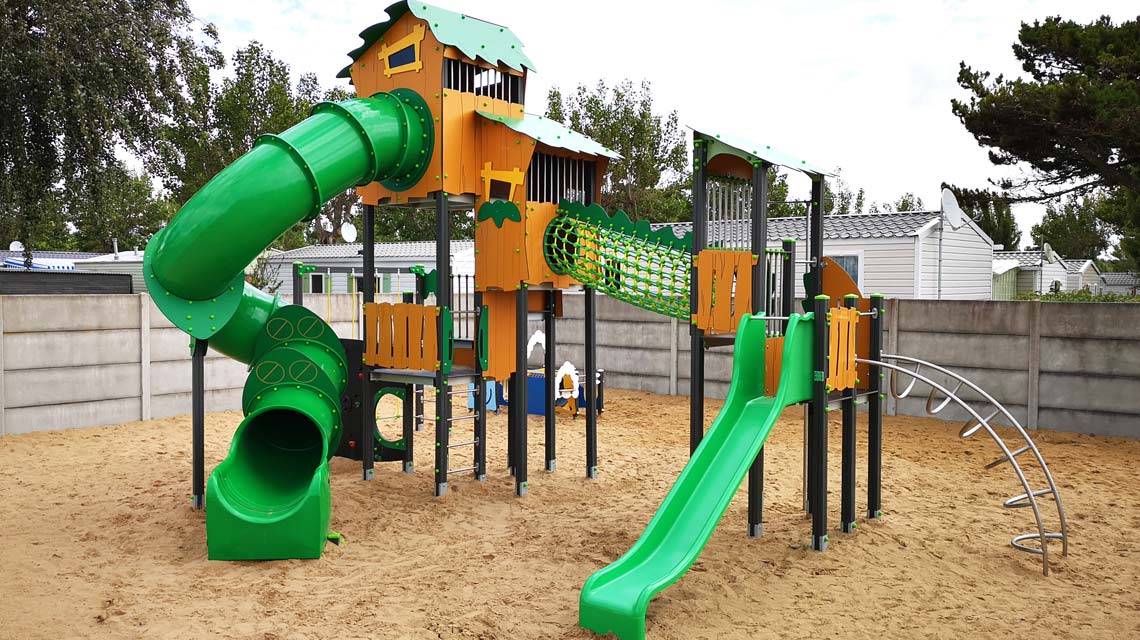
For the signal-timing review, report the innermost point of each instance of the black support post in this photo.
(198, 422)
(518, 394)
(591, 384)
(298, 284)
(368, 281)
(847, 497)
(875, 412)
(815, 239)
(408, 424)
(759, 305)
(442, 299)
(788, 282)
(480, 396)
(817, 427)
(551, 383)
(696, 335)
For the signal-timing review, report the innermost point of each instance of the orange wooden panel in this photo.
(430, 346)
(773, 354)
(384, 330)
(722, 304)
(743, 296)
(501, 333)
(416, 336)
(464, 357)
(837, 283)
(371, 322)
(400, 336)
(852, 326)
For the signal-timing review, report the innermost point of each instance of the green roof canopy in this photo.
(734, 145)
(552, 133)
(474, 37)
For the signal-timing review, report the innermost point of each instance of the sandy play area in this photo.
(97, 539)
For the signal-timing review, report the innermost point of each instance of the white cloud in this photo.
(862, 85)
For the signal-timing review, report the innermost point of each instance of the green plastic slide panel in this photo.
(615, 599)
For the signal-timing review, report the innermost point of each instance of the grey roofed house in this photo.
(895, 254)
(1083, 274)
(1124, 283)
(1037, 274)
(393, 260)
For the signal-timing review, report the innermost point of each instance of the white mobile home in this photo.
(340, 267)
(1035, 273)
(900, 255)
(1126, 284)
(1083, 274)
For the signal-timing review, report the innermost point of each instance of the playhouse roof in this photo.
(727, 142)
(477, 39)
(552, 133)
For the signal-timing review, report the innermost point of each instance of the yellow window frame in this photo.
(513, 176)
(415, 38)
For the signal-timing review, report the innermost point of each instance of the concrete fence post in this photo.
(673, 355)
(1034, 391)
(892, 347)
(144, 357)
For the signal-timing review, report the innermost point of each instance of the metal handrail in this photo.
(1032, 446)
(1041, 533)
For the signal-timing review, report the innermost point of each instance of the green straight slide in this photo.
(269, 499)
(614, 599)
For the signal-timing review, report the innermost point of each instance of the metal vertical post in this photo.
(817, 427)
(442, 300)
(847, 476)
(480, 396)
(409, 421)
(551, 383)
(696, 343)
(518, 394)
(875, 412)
(788, 282)
(198, 422)
(759, 305)
(815, 239)
(368, 415)
(591, 384)
(298, 284)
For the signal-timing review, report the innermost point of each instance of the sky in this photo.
(859, 85)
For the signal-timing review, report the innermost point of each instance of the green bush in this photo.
(1084, 295)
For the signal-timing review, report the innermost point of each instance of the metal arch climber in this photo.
(1027, 499)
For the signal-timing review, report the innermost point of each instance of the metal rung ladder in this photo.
(972, 426)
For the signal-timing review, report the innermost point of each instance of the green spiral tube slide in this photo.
(269, 499)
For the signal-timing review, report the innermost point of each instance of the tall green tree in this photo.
(119, 204)
(1074, 117)
(228, 116)
(1073, 228)
(78, 81)
(651, 179)
(992, 213)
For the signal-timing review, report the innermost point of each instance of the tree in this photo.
(411, 225)
(1075, 118)
(77, 82)
(992, 213)
(229, 116)
(650, 180)
(119, 204)
(1073, 228)
(839, 199)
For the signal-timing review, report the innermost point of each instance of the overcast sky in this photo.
(860, 85)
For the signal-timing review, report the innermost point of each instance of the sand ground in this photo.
(97, 539)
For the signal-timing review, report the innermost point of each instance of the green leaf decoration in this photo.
(499, 211)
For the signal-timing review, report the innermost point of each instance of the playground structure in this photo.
(440, 123)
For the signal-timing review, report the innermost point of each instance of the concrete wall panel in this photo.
(69, 416)
(32, 387)
(70, 313)
(70, 348)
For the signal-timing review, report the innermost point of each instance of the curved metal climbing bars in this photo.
(1027, 499)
